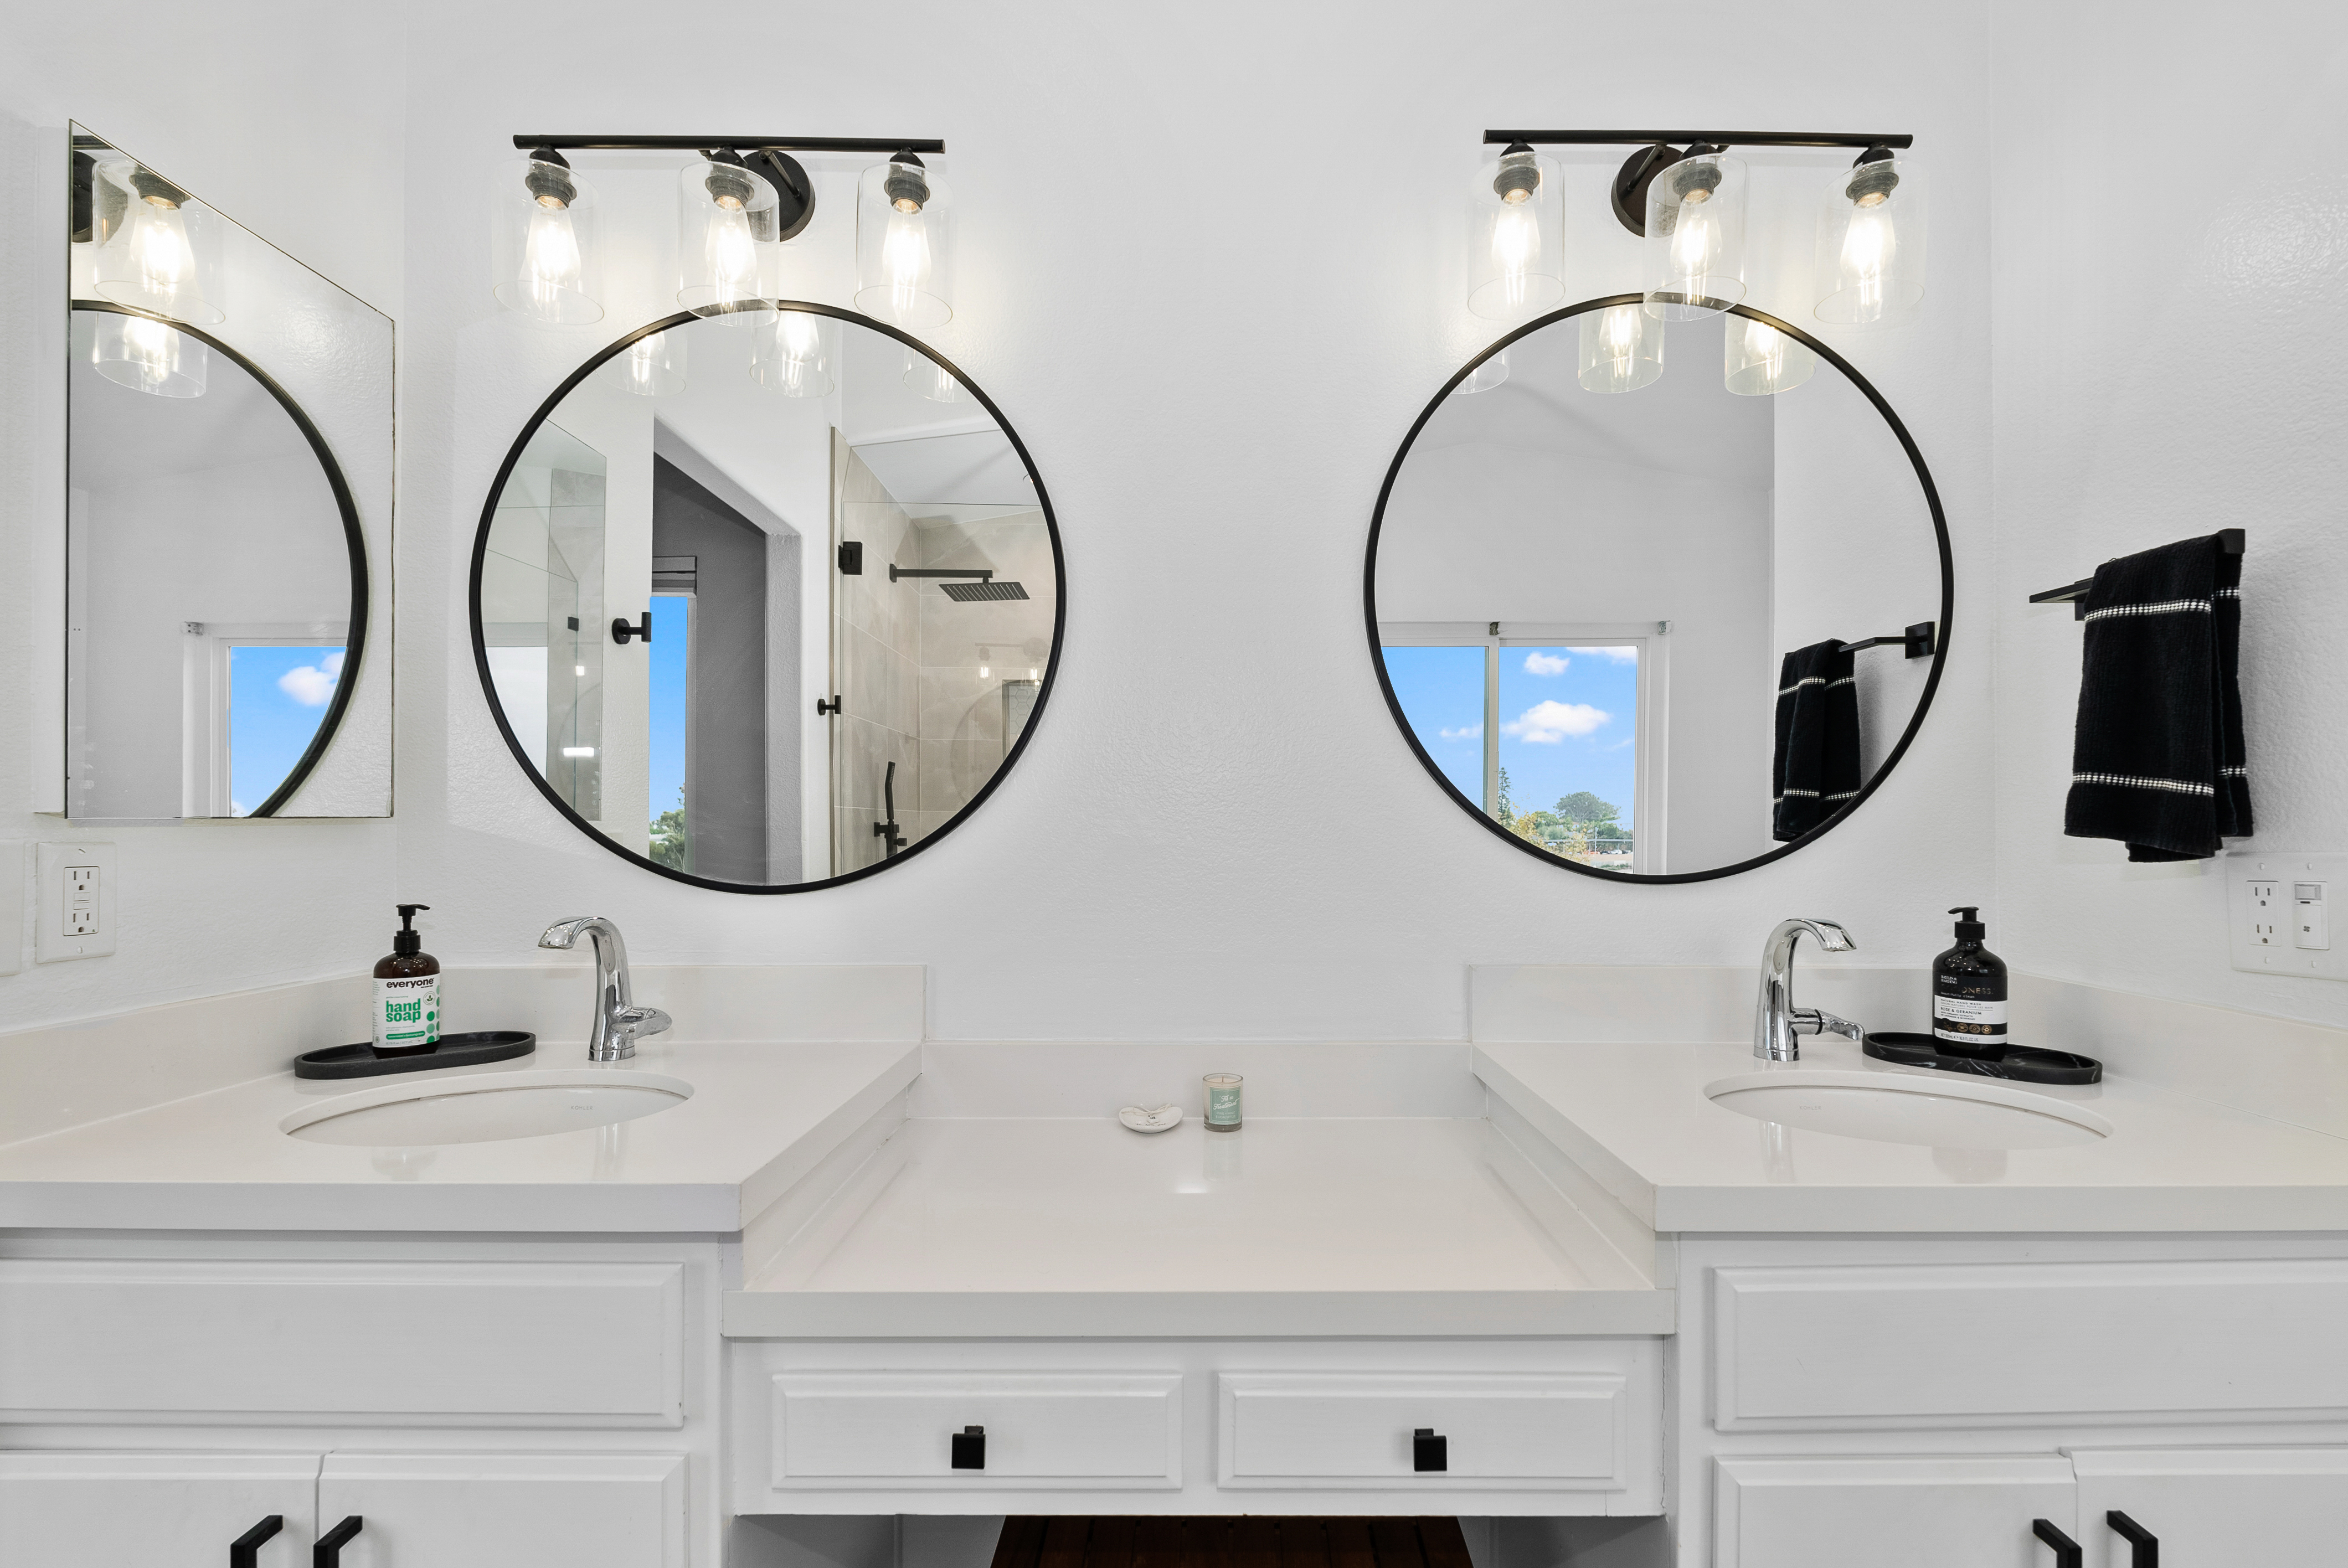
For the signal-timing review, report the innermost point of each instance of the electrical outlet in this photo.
(2278, 904)
(73, 902)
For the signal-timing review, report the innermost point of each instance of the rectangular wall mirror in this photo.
(228, 517)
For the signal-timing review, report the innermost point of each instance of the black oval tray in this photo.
(452, 1051)
(2021, 1063)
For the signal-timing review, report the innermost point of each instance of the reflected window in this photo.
(1545, 726)
(278, 694)
(669, 728)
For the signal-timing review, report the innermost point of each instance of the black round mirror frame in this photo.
(1891, 760)
(354, 540)
(480, 555)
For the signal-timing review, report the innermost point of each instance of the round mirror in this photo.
(218, 578)
(1658, 607)
(766, 598)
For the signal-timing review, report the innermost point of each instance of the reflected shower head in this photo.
(972, 592)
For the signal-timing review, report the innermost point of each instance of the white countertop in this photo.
(761, 1115)
(1636, 1117)
(1079, 1228)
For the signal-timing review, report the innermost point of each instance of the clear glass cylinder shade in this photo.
(653, 365)
(1622, 349)
(1760, 360)
(1484, 376)
(1694, 261)
(725, 231)
(1516, 238)
(147, 355)
(931, 379)
(163, 252)
(904, 258)
(793, 354)
(1869, 268)
(544, 261)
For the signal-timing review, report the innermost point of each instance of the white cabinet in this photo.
(498, 1510)
(76, 1509)
(886, 1429)
(2259, 1505)
(1308, 1430)
(1937, 1512)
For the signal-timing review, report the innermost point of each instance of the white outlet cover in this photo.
(2287, 868)
(50, 943)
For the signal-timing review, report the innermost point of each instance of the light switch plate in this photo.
(2266, 920)
(12, 905)
(73, 902)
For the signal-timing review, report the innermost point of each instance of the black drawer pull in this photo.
(969, 1449)
(328, 1552)
(2066, 1551)
(244, 1552)
(2144, 1546)
(1430, 1453)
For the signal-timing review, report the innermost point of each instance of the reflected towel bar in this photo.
(2230, 540)
(1918, 641)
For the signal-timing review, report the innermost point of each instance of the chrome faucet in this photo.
(619, 1022)
(1776, 1019)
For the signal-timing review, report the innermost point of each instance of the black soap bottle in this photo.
(406, 992)
(1969, 990)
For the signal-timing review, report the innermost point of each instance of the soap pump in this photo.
(406, 992)
(1969, 989)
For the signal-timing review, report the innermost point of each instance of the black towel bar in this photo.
(2230, 540)
(1918, 639)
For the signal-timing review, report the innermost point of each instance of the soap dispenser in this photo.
(1969, 988)
(406, 992)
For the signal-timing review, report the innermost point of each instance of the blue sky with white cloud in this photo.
(276, 698)
(1568, 719)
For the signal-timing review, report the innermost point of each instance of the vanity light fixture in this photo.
(1515, 237)
(740, 197)
(791, 354)
(157, 254)
(1760, 360)
(904, 243)
(653, 365)
(1683, 192)
(1621, 348)
(148, 356)
(1869, 267)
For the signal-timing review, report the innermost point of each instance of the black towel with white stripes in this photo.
(1815, 772)
(2159, 759)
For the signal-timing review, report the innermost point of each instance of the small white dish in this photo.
(1162, 1119)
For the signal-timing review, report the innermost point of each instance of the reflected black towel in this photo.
(1816, 771)
(2158, 761)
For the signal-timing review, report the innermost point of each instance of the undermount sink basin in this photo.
(486, 1109)
(1950, 1113)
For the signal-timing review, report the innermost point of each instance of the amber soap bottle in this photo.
(406, 992)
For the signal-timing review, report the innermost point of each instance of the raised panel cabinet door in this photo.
(1963, 1511)
(71, 1510)
(2251, 1506)
(507, 1510)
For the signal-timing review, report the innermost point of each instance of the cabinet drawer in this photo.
(1058, 1429)
(314, 1340)
(1562, 1432)
(1938, 1344)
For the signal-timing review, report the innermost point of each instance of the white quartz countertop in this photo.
(1079, 1228)
(1636, 1118)
(761, 1116)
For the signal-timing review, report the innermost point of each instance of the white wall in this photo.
(1212, 362)
(246, 84)
(2172, 355)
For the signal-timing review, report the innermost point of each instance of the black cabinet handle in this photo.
(2066, 1551)
(244, 1552)
(822, 707)
(328, 1552)
(2144, 1546)
(969, 1449)
(1428, 1452)
(622, 631)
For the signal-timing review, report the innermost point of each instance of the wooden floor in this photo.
(1253, 1541)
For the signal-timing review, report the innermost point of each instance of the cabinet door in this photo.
(1968, 1511)
(499, 1509)
(2216, 1505)
(153, 1510)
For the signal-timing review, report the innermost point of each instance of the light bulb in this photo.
(149, 356)
(1870, 248)
(1870, 259)
(731, 254)
(1695, 236)
(579, 670)
(549, 259)
(159, 246)
(1031, 674)
(1622, 349)
(151, 263)
(1757, 360)
(905, 259)
(984, 672)
(788, 355)
(1515, 248)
